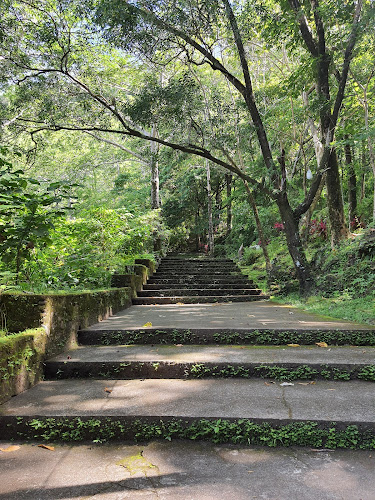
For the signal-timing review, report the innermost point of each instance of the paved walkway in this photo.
(196, 470)
(184, 471)
(221, 315)
(208, 398)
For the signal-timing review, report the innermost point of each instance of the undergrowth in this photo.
(241, 431)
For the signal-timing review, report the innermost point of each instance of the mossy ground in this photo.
(344, 277)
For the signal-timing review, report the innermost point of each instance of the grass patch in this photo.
(359, 310)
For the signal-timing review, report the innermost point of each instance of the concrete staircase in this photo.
(190, 281)
(249, 385)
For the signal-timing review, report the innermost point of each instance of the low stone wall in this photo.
(141, 270)
(21, 358)
(133, 281)
(148, 263)
(57, 319)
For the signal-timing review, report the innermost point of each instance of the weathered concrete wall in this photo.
(133, 281)
(21, 357)
(57, 319)
(143, 271)
(148, 263)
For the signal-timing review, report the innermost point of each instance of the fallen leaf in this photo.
(108, 390)
(147, 324)
(293, 345)
(303, 383)
(46, 447)
(321, 344)
(179, 303)
(13, 447)
(266, 383)
(250, 471)
(179, 345)
(283, 384)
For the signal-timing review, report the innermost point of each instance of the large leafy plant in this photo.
(27, 213)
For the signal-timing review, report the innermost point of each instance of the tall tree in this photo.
(193, 32)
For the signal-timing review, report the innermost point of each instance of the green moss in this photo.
(142, 271)
(250, 337)
(21, 358)
(136, 463)
(133, 281)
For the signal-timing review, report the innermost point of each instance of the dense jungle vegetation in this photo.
(241, 129)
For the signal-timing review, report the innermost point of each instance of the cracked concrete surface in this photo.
(263, 314)
(183, 470)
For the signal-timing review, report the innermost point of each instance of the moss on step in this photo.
(238, 431)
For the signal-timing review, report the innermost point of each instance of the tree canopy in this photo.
(275, 96)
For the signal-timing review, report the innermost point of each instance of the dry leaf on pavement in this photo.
(108, 390)
(321, 344)
(293, 345)
(13, 447)
(147, 324)
(46, 447)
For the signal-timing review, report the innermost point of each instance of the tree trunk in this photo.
(339, 229)
(197, 238)
(305, 223)
(370, 147)
(352, 182)
(228, 179)
(262, 238)
(302, 268)
(209, 208)
(154, 167)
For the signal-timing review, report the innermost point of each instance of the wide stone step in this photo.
(177, 267)
(120, 409)
(226, 336)
(202, 259)
(196, 274)
(197, 299)
(198, 292)
(199, 279)
(179, 361)
(207, 286)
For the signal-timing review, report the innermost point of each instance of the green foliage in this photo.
(349, 269)
(26, 215)
(255, 337)
(240, 431)
(88, 249)
(251, 255)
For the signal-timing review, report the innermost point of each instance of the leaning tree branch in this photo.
(189, 148)
(117, 145)
(213, 61)
(346, 64)
(304, 28)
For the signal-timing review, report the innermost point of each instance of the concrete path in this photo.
(219, 354)
(184, 471)
(221, 315)
(218, 398)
